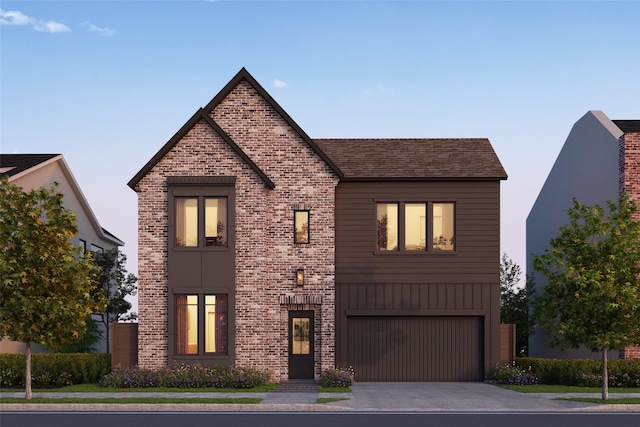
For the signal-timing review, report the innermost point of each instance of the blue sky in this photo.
(107, 83)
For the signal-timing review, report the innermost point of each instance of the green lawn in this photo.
(545, 388)
(331, 399)
(95, 388)
(241, 400)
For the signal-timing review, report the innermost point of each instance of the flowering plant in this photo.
(510, 373)
(186, 376)
(338, 377)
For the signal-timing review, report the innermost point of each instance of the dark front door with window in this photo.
(301, 345)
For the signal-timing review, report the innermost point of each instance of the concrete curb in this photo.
(319, 407)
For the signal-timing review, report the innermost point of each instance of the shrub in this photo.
(583, 372)
(338, 377)
(54, 369)
(186, 376)
(510, 373)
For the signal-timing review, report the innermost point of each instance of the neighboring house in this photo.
(593, 168)
(261, 247)
(41, 170)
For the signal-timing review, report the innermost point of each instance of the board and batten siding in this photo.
(416, 349)
(421, 285)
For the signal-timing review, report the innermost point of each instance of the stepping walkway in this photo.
(298, 386)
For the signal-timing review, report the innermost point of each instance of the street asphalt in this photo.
(367, 397)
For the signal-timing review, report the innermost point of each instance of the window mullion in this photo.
(201, 222)
(429, 242)
(401, 226)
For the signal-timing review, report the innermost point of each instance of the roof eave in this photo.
(424, 179)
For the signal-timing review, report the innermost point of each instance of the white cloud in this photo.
(14, 17)
(106, 32)
(279, 83)
(51, 27)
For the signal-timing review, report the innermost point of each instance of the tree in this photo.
(593, 294)
(83, 344)
(45, 285)
(514, 302)
(114, 284)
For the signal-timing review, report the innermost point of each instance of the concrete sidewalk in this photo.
(367, 397)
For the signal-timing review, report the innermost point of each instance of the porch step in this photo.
(298, 386)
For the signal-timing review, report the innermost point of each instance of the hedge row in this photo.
(54, 369)
(186, 376)
(582, 372)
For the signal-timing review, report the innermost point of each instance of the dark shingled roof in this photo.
(628, 126)
(413, 159)
(22, 162)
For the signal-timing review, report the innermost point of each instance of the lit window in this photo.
(191, 313)
(215, 227)
(187, 222)
(189, 231)
(187, 324)
(411, 226)
(443, 226)
(387, 226)
(415, 226)
(301, 226)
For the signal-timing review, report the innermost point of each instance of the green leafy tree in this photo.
(115, 284)
(593, 295)
(514, 302)
(45, 285)
(83, 344)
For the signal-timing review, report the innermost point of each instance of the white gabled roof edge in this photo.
(78, 192)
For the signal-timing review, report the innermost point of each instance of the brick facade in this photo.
(266, 257)
(629, 165)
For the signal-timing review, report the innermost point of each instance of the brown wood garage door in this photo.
(426, 349)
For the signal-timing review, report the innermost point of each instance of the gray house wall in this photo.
(89, 230)
(586, 169)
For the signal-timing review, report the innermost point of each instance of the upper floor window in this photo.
(187, 221)
(96, 248)
(404, 226)
(201, 221)
(301, 226)
(443, 226)
(215, 221)
(415, 226)
(387, 226)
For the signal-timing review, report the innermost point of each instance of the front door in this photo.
(301, 345)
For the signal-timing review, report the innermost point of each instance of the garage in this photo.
(416, 349)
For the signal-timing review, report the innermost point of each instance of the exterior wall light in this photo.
(300, 277)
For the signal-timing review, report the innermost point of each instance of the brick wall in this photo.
(629, 165)
(266, 257)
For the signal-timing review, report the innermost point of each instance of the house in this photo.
(41, 170)
(262, 247)
(596, 162)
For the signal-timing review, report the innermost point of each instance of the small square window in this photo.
(301, 227)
